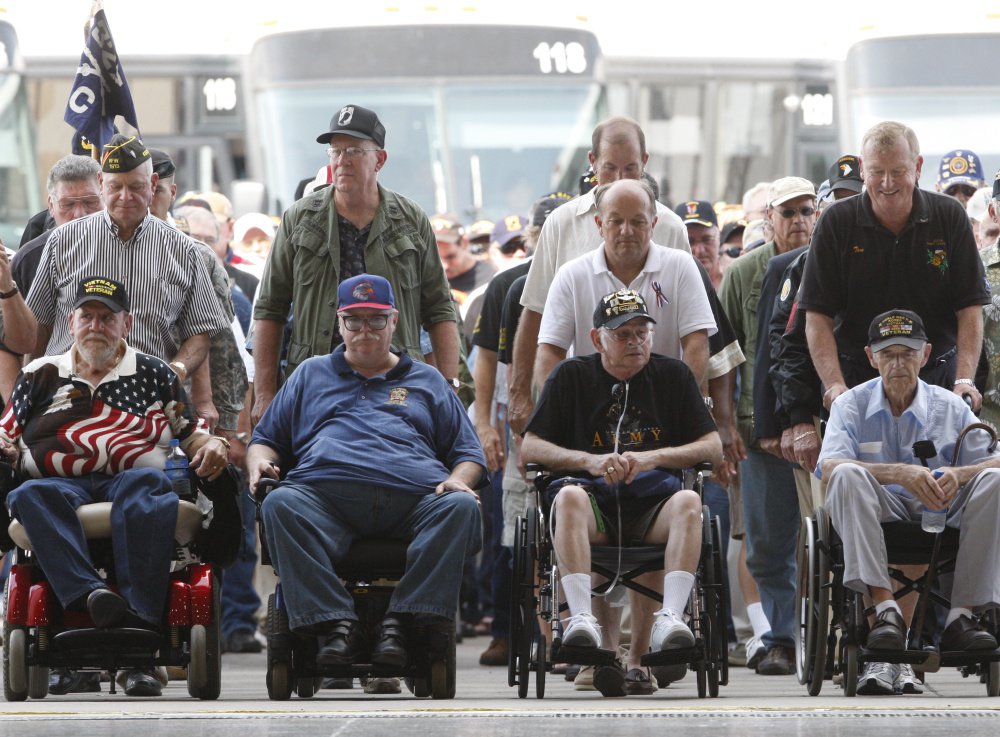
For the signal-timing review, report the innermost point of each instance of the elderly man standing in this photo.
(130, 405)
(375, 444)
(353, 227)
(769, 496)
(873, 476)
(173, 307)
(894, 246)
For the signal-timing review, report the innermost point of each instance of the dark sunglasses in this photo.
(789, 212)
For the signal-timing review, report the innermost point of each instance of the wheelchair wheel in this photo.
(701, 677)
(443, 665)
(38, 681)
(15, 663)
(204, 673)
(306, 687)
(514, 608)
(539, 666)
(524, 597)
(715, 649)
(813, 597)
(993, 679)
(721, 638)
(850, 670)
(279, 654)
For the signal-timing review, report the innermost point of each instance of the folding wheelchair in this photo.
(833, 625)
(370, 571)
(38, 634)
(535, 593)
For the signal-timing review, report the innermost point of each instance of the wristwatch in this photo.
(179, 368)
(455, 383)
(11, 293)
(710, 403)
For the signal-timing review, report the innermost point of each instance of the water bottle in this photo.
(176, 469)
(932, 520)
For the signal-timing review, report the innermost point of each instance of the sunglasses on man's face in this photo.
(789, 212)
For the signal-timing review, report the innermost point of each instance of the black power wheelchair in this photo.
(535, 593)
(370, 572)
(38, 634)
(834, 620)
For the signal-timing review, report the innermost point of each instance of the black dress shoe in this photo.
(64, 681)
(106, 607)
(142, 682)
(341, 645)
(965, 634)
(242, 641)
(390, 649)
(889, 632)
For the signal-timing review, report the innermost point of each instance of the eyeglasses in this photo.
(351, 152)
(374, 322)
(789, 212)
(68, 203)
(630, 336)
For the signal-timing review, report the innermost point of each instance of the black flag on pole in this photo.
(100, 91)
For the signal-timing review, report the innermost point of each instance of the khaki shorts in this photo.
(517, 493)
(736, 529)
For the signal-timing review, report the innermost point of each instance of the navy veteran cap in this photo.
(123, 153)
(357, 122)
(896, 327)
(698, 212)
(365, 290)
(506, 230)
(616, 309)
(106, 291)
(960, 166)
(163, 165)
(845, 173)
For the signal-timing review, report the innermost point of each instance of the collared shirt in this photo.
(66, 426)
(990, 413)
(169, 289)
(403, 430)
(669, 283)
(862, 428)
(570, 231)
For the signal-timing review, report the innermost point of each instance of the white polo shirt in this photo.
(570, 231)
(669, 282)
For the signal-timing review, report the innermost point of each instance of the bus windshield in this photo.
(484, 150)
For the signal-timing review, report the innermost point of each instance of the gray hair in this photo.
(884, 136)
(72, 168)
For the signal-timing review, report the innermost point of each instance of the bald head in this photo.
(606, 196)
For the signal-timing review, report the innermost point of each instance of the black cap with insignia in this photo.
(123, 153)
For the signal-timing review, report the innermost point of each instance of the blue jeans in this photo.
(771, 517)
(240, 601)
(309, 528)
(501, 573)
(143, 519)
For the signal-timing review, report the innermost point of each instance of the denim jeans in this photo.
(143, 519)
(771, 517)
(311, 527)
(240, 601)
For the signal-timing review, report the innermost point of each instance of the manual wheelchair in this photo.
(370, 572)
(535, 593)
(834, 625)
(38, 634)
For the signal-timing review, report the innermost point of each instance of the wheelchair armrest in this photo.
(264, 487)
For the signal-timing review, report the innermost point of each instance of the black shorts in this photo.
(637, 513)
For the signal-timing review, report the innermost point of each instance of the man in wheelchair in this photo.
(371, 444)
(868, 459)
(94, 424)
(619, 422)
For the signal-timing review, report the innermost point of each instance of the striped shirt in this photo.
(169, 288)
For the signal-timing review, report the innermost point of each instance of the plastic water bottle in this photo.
(932, 520)
(176, 469)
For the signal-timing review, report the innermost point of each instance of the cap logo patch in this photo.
(346, 114)
(895, 325)
(692, 208)
(845, 170)
(958, 165)
(363, 291)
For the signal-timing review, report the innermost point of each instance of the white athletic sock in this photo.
(676, 591)
(887, 604)
(955, 613)
(576, 587)
(758, 620)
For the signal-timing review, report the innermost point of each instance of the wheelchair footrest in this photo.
(951, 658)
(114, 639)
(672, 657)
(578, 655)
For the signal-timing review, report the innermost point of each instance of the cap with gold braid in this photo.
(123, 154)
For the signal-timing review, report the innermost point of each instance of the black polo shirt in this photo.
(857, 268)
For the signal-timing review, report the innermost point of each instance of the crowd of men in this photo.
(739, 340)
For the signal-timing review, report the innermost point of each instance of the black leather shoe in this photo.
(889, 632)
(776, 662)
(965, 634)
(340, 645)
(142, 682)
(64, 681)
(241, 641)
(106, 607)
(390, 649)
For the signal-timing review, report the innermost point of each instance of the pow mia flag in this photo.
(100, 90)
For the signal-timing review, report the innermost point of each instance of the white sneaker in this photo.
(877, 679)
(755, 652)
(584, 680)
(670, 632)
(906, 680)
(582, 631)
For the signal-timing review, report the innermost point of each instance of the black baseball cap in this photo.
(896, 327)
(123, 153)
(163, 165)
(355, 121)
(845, 173)
(616, 309)
(698, 212)
(106, 291)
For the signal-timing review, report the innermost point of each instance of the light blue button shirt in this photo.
(862, 428)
